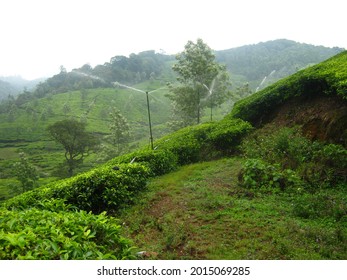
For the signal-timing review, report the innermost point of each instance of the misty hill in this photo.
(134, 69)
(274, 60)
(6, 89)
(15, 85)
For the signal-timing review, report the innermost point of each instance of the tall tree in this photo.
(197, 70)
(75, 140)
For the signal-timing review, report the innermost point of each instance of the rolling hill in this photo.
(265, 63)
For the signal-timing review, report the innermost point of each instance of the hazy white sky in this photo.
(37, 36)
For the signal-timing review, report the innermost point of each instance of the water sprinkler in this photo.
(149, 121)
(148, 109)
(210, 91)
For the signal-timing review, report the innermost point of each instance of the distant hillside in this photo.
(259, 65)
(14, 85)
(264, 63)
(137, 68)
(6, 89)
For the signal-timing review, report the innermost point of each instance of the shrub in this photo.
(257, 174)
(199, 142)
(227, 134)
(285, 146)
(45, 235)
(328, 167)
(323, 204)
(159, 162)
(101, 189)
(186, 143)
(318, 164)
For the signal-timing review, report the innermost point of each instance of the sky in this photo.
(39, 36)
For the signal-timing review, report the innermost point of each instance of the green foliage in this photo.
(159, 162)
(328, 167)
(133, 69)
(106, 188)
(254, 62)
(323, 204)
(51, 222)
(75, 140)
(285, 146)
(328, 77)
(25, 173)
(44, 235)
(197, 71)
(110, 187)
(257, 174)
(319, 165)
(199, 142)
(185, 143)
(120, 130)
(227, 134)
(200, 212)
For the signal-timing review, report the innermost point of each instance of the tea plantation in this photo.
(259, 164)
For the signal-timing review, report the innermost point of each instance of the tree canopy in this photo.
(198, 74)
(75, 140)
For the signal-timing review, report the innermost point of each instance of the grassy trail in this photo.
(200, 212)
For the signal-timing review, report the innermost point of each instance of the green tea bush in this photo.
(260, 175)
(159, 162)
(44, 235)
(195, 143)
(102, 189)
(186, 143)
(226, 135)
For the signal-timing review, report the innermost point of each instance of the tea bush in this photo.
(185, 143)
(159, 162)
(227, 134)
(116, 183)
(45, 235)
(102, 189)
(203, 141)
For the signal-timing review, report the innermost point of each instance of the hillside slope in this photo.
(315, 98)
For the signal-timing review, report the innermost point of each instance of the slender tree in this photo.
(120, 130)
(197, 69)
(25, 173)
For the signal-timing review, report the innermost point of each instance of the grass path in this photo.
(200, 212)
